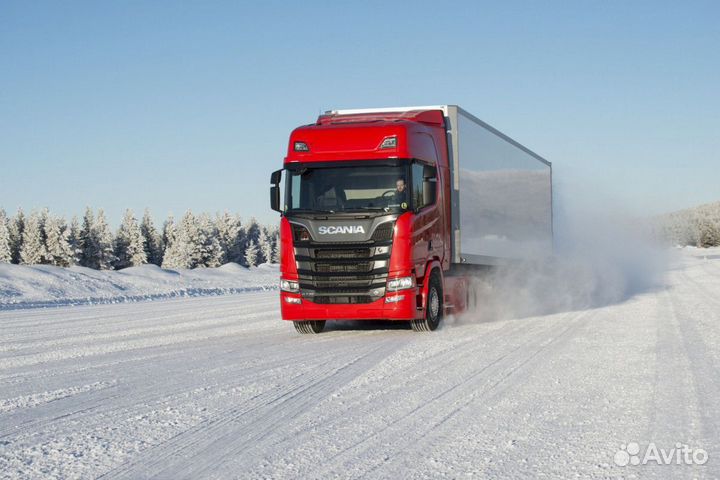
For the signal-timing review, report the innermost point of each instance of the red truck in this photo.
(388, 213)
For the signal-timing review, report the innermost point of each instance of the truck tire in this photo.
(433, 309)
(309, 327)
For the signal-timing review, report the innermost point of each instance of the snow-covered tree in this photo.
(211, 254)
(251, 254)
(152, 241)
(265, 246)
(44, 215)
(5, 250)
(196, 241)
(96, 242)
(231, 237)
(276, 249)
(708, 234)
(169, 234)
(74, 240)
(33, 251)
(17, 227)
(57, 244)
(129, 245)
(106, 257)
(252, 231)
(697, 226)
(240, 245)
(87, 240)
(184, 250)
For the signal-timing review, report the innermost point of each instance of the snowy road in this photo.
(220, 388)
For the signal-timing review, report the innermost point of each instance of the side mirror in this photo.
(275, 178)
(275, 197)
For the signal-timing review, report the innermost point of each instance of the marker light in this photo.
(389, 142)
(402, 283)
(301, 233)
(301, 147)
(289, 286)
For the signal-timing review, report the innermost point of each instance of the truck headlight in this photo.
(289, 286)
(401, 283)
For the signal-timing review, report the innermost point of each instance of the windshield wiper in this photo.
(309, 210)
(377, 209)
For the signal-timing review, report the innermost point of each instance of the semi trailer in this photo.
(388, 213)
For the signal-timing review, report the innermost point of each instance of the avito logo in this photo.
(682, 454)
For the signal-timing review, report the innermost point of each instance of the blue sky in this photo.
(177, 105)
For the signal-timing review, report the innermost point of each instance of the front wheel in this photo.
(309, 327)
(433, 309)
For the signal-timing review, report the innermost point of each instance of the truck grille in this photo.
(344, 299)
(342, 268)
(344, 273)
(351, 254)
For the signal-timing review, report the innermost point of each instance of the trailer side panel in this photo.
(502, 194)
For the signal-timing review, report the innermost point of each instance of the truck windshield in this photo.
(348, 188)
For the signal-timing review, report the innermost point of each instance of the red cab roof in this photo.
(359, 136)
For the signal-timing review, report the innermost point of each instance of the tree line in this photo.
(195, 241)
(698, 226)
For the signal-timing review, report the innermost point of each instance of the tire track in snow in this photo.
(105, 323)
(241, 426)
(220, 319)
(402, 380)
(176, 382)
(426, 419)
(40, 398)
(405, 381)
(702, 289)
(41, 320)
(703, 371)
(168, 338)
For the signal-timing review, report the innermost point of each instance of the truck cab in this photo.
(365, 217)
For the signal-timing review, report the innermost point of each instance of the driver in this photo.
(400, 195)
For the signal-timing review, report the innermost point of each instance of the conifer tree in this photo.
(88, 241)
(276, 249)
(211, 254)
(251, 254)
(129, 245)
(5, 250)
(252, 232)
(169, 231)
(74, 240)
(169, 236)
(708, 234)
(152, 241)
(105, 256)
(33, 250)
(57, 244)
(184, 249)
(229, 228)
(17, 227)
(265, 246)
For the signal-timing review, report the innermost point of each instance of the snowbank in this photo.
(24, 286)
(710, 253)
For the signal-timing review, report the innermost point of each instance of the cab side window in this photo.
(424, 183)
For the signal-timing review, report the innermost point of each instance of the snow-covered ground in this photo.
(44, 285)
(219, 387)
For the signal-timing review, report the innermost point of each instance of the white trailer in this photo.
(501, 199)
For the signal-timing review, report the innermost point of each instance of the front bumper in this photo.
(404, 309)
